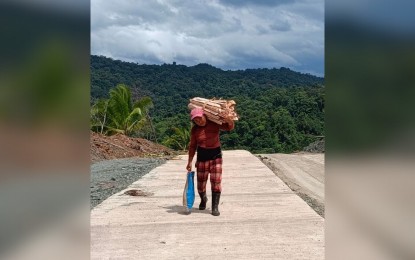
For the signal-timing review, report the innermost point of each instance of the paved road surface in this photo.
(261, 218)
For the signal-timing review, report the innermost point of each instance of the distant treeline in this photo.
(280, 110)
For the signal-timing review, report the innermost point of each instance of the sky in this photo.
(228, 34)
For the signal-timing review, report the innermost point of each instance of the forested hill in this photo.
(280, 110)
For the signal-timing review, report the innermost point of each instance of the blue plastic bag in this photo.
(189, 191)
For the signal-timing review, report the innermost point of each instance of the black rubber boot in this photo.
(203, 201)
(215, 203)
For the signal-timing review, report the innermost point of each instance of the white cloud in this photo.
(253, 34)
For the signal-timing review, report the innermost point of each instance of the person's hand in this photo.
(189, 167)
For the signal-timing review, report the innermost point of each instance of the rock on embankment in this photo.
(315, 147)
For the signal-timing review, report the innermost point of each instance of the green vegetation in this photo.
(179, 140)
(280, 110)
(119, 114)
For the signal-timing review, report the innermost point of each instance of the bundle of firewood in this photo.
(216, 110)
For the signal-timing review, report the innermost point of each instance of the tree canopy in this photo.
(280, 110)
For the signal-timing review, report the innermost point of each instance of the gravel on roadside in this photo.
(111, 176)
(317, 206)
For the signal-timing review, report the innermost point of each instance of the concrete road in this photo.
(261, 218)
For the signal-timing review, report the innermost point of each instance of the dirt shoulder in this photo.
(303, 173)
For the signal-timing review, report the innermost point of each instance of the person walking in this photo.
(205, 139)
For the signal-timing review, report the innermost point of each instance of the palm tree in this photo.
(179, 140)
(99, 115)
(124, 116)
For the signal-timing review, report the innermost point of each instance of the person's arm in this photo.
(228, 126)
(192, 150)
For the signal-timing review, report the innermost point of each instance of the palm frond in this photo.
(118, 114)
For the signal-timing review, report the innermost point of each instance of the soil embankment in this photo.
(120, 146)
